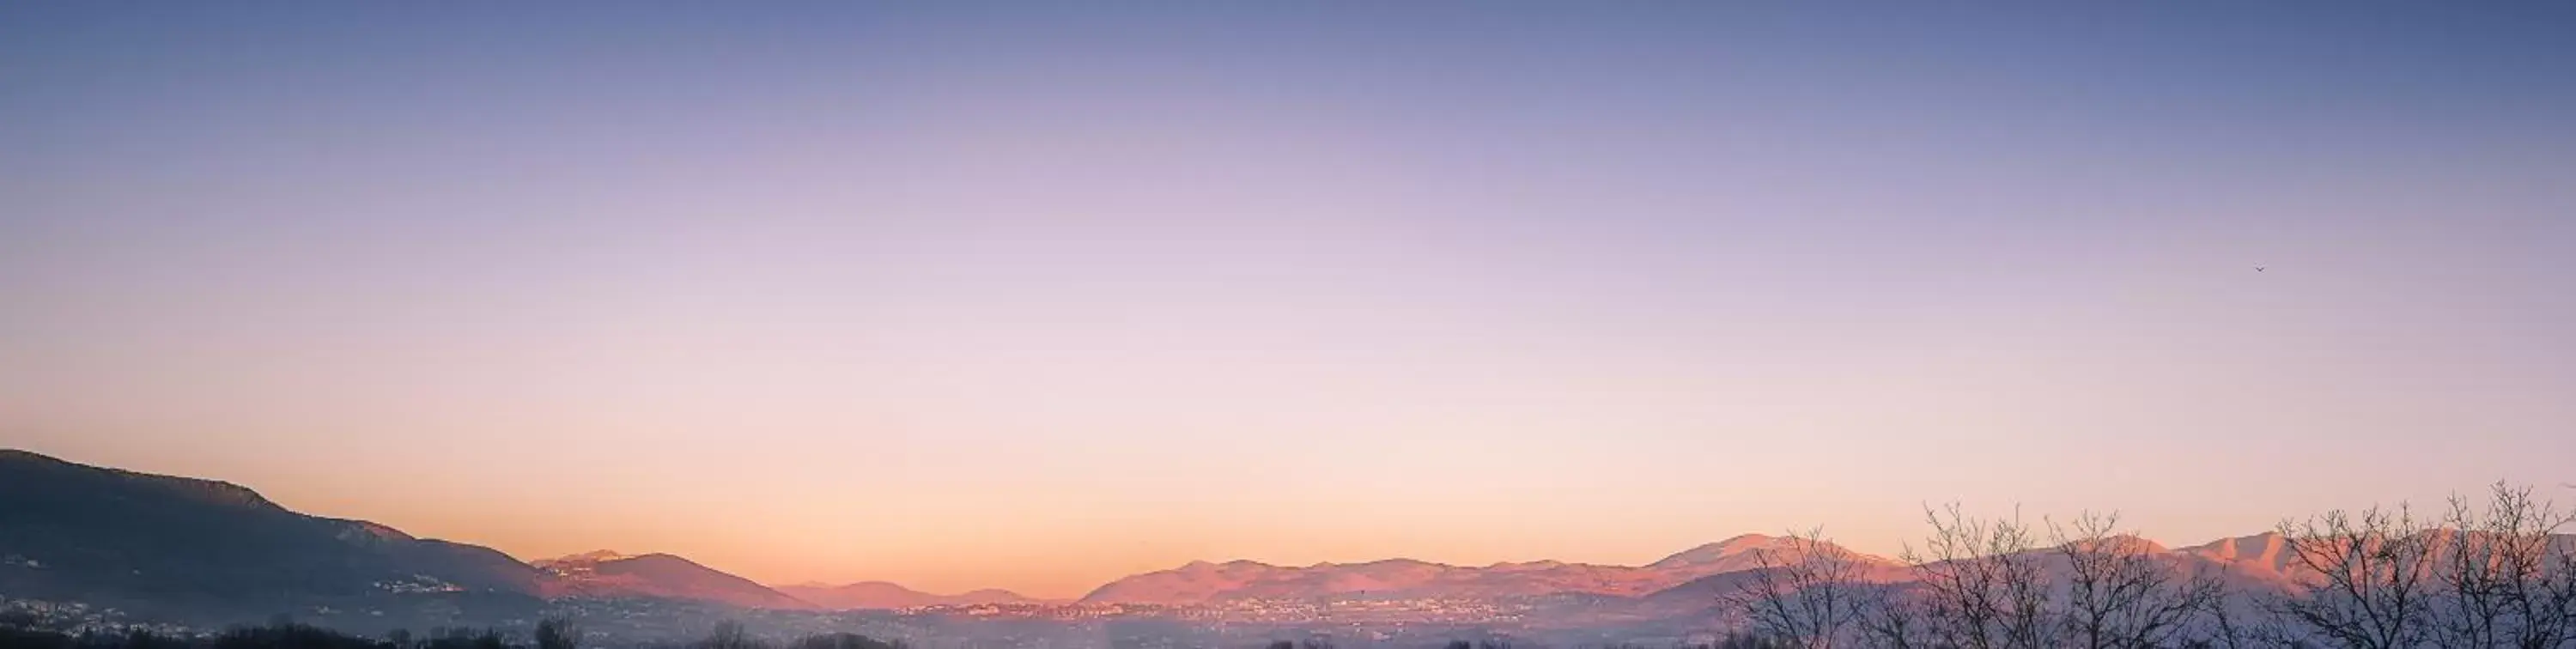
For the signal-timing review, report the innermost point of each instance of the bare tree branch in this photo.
(1804, 592)
(2369, 578)
(1980, 589)
(2121, 592)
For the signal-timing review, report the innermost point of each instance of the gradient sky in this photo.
(965, 295)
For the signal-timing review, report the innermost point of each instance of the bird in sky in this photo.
(2258, 269)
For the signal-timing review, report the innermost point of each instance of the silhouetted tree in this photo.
(2374, 579)
(1979, 589)
(1749, 641)
(1891, 617)
(2507, 580)
(289, 635)
(730, 635)
(845, 641)
(2223, 627)
(557, 633)
(2119, 594)
(140, 639)
(1804, 594)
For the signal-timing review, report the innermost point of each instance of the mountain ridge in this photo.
(890, 595)
(1200, 582)
(190, 545)
(119, 536)
(607, 574)
(146, 541)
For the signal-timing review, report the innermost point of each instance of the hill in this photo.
(605, 574)
(889, 595)
(207, 551)
(186, 546)
(1201, 582)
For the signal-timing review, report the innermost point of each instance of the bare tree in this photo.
(730, 635)
(2507, 579)
(2370, 579)
(2222, 628)
(844, 641)
(557, 633)
(1980, 587)
(1803, 593)
(1891, 616)
(2120, 593)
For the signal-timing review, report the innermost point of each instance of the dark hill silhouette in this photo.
(207, 549)
(212, 551)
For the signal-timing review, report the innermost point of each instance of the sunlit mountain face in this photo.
(607, 575)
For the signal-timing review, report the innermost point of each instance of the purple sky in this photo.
(1029, 297)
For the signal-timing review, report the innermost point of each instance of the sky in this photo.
(967, 295)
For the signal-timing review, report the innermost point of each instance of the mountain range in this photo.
(101, 534)
(162, 543)
(1202, 582)
(884, 594)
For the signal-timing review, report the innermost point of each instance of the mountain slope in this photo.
(888, 595)
(1201, 582)
(2253, 564)
(606, 574)
(149, 542)
(210, 550)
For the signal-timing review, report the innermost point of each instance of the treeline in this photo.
(2491, 574)
(549, 634)
(731, 635)
(273, 636)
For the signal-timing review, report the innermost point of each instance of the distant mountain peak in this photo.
(890, 595)
(2120, 543)
(2268, 550)
(1737, 546)
(604, 573)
